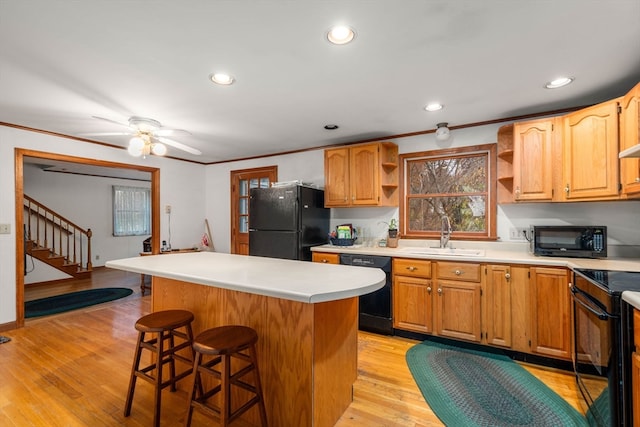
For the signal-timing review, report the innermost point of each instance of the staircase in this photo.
(56, 241)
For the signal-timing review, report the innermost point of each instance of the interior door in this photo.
(241, 182)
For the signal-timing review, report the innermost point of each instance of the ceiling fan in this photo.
(148, 137)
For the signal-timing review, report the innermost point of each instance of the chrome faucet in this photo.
(445, 232)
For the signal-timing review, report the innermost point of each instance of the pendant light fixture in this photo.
(442, 131)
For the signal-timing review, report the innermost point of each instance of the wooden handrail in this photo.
(50, 224)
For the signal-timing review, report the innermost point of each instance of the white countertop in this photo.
(493, 253)
(287, 279)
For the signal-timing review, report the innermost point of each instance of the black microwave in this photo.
(569, 241)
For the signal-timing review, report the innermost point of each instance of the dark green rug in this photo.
(72, 301)
(467, 387)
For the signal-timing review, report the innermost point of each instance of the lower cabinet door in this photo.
(412, 304)
(457, 310)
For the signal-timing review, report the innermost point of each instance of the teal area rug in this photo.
(72, 301)
(467, 387)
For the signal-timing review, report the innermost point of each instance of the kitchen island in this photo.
(305, 314)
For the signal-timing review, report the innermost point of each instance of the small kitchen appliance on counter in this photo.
(603, 343)
(577, 241)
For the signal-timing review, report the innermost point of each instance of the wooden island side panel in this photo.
(307, 353)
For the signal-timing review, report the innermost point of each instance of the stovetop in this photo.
(614, 282)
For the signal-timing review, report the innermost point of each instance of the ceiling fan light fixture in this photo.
(222, 79)
(442, 132)
(341, 34)
(158, 149)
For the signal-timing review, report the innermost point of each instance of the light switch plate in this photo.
(5, 228)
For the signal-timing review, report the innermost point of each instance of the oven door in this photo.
(596, 357)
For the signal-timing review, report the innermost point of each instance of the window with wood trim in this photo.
(459, 183)
(131, 211)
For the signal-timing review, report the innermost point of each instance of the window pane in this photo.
(264, 182)
(254, 183)
(131, 211)
(243, 208)
(244, 187)
(466, 213)
(448, 175)
(244, 224)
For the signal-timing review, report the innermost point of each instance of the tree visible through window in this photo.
(455, 183)
(131, 211)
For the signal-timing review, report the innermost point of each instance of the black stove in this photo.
(614, 282)
(603, 343)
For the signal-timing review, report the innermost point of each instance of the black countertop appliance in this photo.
(287, 221)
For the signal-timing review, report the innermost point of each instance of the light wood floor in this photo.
(72, 369)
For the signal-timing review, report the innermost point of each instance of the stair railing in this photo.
(48, 229)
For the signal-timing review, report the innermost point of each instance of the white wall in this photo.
(182, 185)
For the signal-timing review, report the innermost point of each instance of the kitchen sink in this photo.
(443, 251)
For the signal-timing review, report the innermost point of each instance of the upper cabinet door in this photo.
(630, 136)
(364, 174)
(533, 160)
(336, 177)
(590, 146)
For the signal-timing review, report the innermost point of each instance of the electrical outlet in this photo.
(517, 233)
(167, 209)
(5, 228)
(97, 257)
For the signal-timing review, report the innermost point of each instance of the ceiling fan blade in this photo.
(170, 132)
(179, 145)
(112, 121)
(105, 133)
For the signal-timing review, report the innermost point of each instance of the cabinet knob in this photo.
(325, 260)
(517, 191)
(458, 272)
(566, 189)
(439, 290)
(411, 268)
(429, 289)
(507, 276)
(638, 179)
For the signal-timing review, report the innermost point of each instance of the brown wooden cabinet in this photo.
(325, 257)
(361, 175)
(630, 136)
(457, 301)
(590, 153)
(496, 303)
(550, 312)
(505, 164)
(533, 160)
(412, 295)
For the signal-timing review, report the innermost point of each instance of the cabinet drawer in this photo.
(636, 329)
(412, 267)
(459, 271)
(326, 258)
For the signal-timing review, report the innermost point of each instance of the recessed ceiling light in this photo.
(222, 79)
(340, 34)
(434, 106)
(331, 127)
(559, 82)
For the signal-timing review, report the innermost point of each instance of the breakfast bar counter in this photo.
(305, 314)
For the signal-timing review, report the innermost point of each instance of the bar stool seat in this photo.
(166, 325)
(217, 346)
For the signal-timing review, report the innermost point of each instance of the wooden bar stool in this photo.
(218, 346)
(163, 326)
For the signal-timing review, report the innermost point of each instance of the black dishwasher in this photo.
(375, 308)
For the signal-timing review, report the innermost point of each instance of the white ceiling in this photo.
(64, 61)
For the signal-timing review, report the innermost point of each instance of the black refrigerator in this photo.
(286, 221)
